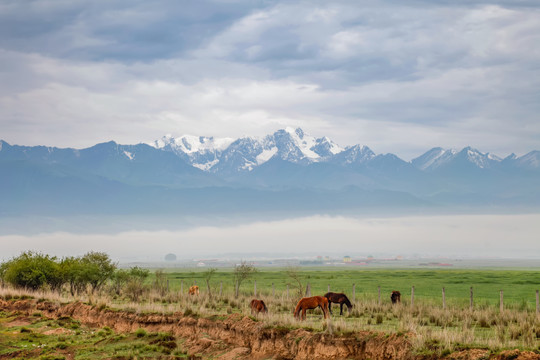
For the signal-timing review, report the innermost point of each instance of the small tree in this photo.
(242, 272)
(97, 268)
(134, 287)
(119, 279)
(207, 277)
(73, 271)
(170, 257)
(160, 282)
(296, 279)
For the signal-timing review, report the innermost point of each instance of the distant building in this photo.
(327, 258)
(346, 259)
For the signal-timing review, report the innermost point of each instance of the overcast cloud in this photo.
(398, 76)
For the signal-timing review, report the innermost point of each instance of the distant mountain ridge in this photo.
(286, 170)
(294, 145)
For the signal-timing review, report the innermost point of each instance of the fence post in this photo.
(287, 291)
(273, 290)
(412, 296)
(181, 286)
(443, 299)
(220, 288)
(501, 306)
(379, 291)
(167, 285)
(353, 292)
(308, 290)
(537, 303)
(471, 301)
(255, 288)
(328, 288)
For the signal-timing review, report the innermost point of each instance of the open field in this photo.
(519, 286)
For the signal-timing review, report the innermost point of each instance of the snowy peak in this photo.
(438, 157)
(530, 160)
(481, 160)
(243, 154)
(296, 146)
(190, 144)
(354, 155)
(200, 151)
(434, 158)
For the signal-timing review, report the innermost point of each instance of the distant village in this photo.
(170, 260)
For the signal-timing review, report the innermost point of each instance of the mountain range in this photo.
(284, 171)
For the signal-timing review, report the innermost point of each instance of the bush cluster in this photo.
(35, 271)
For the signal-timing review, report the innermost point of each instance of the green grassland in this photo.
(65, 338)
(519, 286)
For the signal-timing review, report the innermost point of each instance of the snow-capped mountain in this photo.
(244, 154)
(439, 158)
(354, 155)
(200, 151)
(282, 171)
(227, 156)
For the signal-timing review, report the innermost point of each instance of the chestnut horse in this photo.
(194, 290)
(258, 306)
(338, 298)
(395, 297)
(311, 303)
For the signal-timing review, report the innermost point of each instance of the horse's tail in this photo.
(326, 312)
(265, 309)
(298, 309)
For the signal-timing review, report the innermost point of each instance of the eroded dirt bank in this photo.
(238, 337)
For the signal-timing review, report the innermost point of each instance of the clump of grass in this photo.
(140, 333)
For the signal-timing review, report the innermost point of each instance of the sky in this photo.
(399, 76)
(449, 236)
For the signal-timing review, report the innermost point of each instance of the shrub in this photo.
(33, 271)
(140, 333)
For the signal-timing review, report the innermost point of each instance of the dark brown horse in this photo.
(311, 303)
(395, 297)
(258, 306)
(338, 298)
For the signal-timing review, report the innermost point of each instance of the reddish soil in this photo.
(238, 337)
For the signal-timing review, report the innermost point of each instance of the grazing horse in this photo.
(311, 303)
(258, 306)
(338, 298)
(395, 297)
(194, 290)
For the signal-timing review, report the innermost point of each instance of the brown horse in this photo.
(338, 298)
(194, 290)
(258, 306)
(311, 303)
(395, 297)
